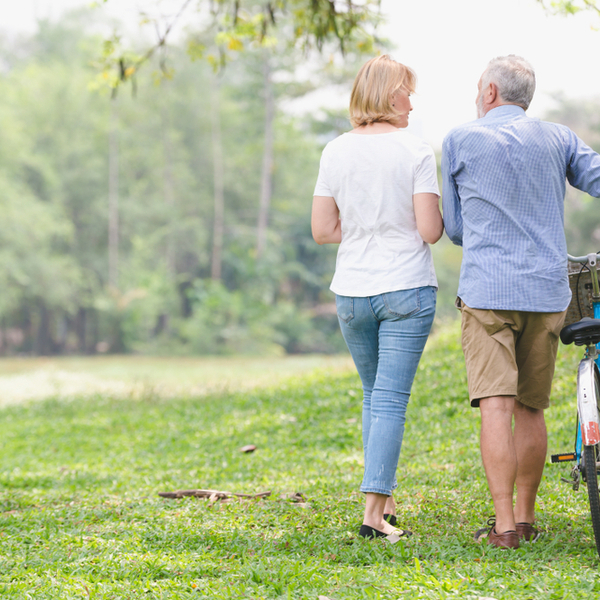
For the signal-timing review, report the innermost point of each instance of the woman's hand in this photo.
(429, 217)
(325, 221)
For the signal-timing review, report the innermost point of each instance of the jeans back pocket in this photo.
(402, 303)
(345, 308)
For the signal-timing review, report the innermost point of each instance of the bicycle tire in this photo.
(591, 456)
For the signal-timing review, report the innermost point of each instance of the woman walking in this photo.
(377, 196)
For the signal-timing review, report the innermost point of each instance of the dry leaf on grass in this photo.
(248, 448)
(212, 495)
(295, 497)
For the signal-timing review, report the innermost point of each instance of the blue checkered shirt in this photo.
(503, 199)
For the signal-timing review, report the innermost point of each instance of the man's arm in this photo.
(453, 222)
(583, 169)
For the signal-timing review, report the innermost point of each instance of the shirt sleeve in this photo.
(322, 188)
(425, 179)
(583, 168)
(451, 207)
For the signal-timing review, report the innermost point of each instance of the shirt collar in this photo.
(505, 110)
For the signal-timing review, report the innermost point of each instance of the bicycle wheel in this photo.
(591, 457)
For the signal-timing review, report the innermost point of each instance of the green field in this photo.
(80, 477)
(25, 379)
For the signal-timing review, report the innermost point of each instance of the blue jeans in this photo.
(386, 335)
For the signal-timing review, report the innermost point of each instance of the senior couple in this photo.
(377, 196)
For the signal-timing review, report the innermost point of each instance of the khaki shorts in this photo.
(510, 353)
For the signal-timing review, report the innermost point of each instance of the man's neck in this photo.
(498, 104)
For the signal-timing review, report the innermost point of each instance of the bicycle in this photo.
(586, 332)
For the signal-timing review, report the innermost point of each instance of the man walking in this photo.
(503, 199)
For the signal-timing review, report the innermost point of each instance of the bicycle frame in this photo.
(588, 431)
(587, 442)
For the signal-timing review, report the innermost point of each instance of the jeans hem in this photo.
(373, 490)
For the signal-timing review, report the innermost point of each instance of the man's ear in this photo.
(491, 94)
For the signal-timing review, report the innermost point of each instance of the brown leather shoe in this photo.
(527, 532)
(508, 539)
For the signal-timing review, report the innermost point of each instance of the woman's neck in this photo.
(375, 128)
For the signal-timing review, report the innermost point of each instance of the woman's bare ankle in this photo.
(379, 525)
(390, 506)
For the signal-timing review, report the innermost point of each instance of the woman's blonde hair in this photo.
(377, 80)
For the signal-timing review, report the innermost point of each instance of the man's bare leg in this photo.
(531, 443)
(499, 456)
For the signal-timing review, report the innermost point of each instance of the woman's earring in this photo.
(393, 105)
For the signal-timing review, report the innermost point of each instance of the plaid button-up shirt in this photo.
(504, 179)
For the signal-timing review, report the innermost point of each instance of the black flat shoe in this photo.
(391, 519)
(369, 532)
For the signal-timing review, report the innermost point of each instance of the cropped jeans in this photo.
(386, 335)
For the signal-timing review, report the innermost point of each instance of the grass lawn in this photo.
(81, 516)
(23, 379)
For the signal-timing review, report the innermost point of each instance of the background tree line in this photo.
(172, 220)
(175, 219)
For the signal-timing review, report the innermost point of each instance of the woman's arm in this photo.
(429, 217)
(325, 221)
(453, 221)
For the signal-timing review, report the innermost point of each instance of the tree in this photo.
(218, 185)
(267, 161)
(178, 207)
(38, 275)
(113, 196)
(237, 24)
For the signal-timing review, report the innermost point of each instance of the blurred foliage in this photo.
(229, 27)
(54, 156)
(582, 212)
(570, 7)
(54, 177)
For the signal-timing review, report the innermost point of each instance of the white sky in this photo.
(447, 42)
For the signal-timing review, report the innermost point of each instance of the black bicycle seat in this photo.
(583, 333)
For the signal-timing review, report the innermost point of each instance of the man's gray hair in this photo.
(514, 77)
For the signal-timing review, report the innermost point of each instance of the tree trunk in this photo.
(218, 184)
(80, 330)
(267, 162)
(168, 191)
(113, 197)
(94, 333)
(43, 341)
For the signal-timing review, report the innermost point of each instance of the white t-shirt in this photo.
(372, 179)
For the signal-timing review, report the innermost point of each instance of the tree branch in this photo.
(250, 21)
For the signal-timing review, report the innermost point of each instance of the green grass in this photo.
(81, 516)
(23, 379)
